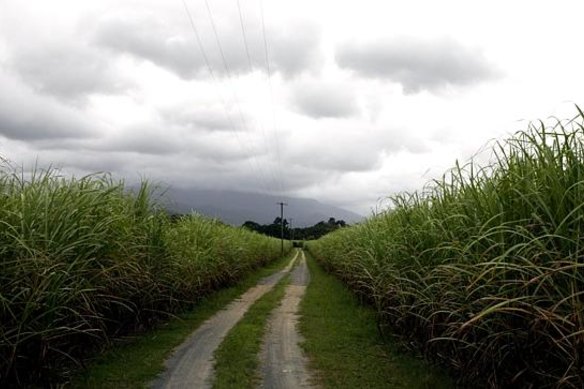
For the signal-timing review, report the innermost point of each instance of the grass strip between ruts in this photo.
(237, 358)
(344, 346)
(137, 362)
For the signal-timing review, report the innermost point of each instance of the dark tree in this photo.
(306, 233)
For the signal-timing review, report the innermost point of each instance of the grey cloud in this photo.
(141, 139)
(63, 144)
(145, 140)
(91, 161)
(417, 64)
(218, 147)
(205, 118)
(298, 177)
(166, 140)
(211, 121)
(69, 72)
(199, 163)
(174, 47)
(336, 159)
(190, 168)
(28, 117)
(323, 100)
(361, 148)
(356, 151)
(233, 175)
(153, 40)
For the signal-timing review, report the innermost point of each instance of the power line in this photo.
(257, 122)
(235, 98)
(212, 20)
(269, 72)
(215, 80)
(269, 168)
(244, 37)
(199, 42)
(248, 146)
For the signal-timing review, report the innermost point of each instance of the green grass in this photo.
(138, 362)
(237, 358)
(482, 270)
(345, 347)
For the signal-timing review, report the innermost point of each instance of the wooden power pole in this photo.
(282, 226)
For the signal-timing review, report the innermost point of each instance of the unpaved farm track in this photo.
(191, 364)
(283, 364)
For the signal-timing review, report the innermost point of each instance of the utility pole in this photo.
(282, 225)
(291, 230)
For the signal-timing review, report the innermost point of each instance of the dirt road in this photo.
(191, 365)
(283, 364)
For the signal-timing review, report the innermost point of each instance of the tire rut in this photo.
(191, 364)
(283, 364)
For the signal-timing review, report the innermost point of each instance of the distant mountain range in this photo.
(235, 208)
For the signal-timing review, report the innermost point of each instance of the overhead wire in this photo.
(269, 168)
(220, 95)
(272, 105)
(233, 90)
(249, 62)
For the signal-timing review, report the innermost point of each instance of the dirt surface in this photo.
(191, 364)
(283, 364)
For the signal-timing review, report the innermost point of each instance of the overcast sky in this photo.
(355, 101)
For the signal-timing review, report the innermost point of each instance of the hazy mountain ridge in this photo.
(237, 207)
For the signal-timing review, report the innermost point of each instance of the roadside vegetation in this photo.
(345, 348)
(83, 262)
(137, 360)
(482, 271)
